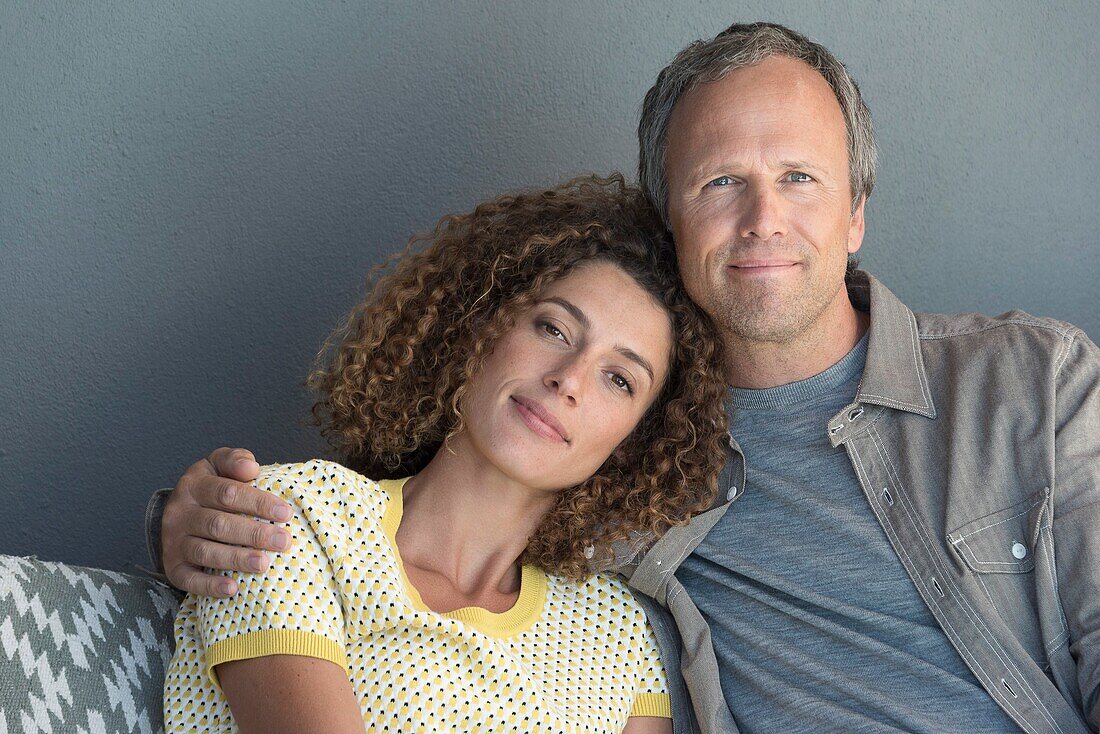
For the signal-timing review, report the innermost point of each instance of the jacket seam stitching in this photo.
(1067, 342)
(918, 364)
(1001, 522)
(894, 402)
(1064, 333)
(1001, 654)
(1064, 635)
(1063, 638)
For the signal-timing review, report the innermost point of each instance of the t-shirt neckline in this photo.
(847, 369)
(519, 618)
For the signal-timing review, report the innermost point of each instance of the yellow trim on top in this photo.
(652, 704)
(532, 586)
(273, 642)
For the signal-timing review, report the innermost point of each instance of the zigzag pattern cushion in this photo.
(82, 650)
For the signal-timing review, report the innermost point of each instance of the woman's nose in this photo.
(567, 379)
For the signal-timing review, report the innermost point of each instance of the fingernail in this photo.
(280, 540)
(226, 587)
(282, 513)
(257, 563)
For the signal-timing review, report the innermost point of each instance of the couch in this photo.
(82, 650)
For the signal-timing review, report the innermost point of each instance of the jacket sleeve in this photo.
(1076, 522)
(668, 641)
(154, 512)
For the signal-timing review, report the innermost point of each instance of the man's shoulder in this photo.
(967, 338)
(934, 326)
(1037, 339)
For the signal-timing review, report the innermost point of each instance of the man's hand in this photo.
(201, 530)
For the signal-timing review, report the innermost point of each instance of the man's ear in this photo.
(856, 227)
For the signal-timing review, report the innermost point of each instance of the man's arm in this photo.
(1076, 524)
(201, 528)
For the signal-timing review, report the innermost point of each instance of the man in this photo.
(904, 538)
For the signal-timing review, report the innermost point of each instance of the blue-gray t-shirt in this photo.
(816, 625)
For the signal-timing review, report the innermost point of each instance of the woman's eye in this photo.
(621, 382)
(800, 177)
(552, 330)
(721, 181)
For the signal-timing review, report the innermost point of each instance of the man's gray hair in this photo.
(741, 45)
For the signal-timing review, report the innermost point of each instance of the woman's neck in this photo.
(464, 527)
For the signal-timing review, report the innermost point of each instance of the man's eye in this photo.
(800, 177)
(721, 181)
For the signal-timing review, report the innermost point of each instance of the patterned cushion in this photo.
(82, 650)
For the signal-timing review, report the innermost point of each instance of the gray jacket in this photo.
(976, 441)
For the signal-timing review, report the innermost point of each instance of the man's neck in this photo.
(761, 364)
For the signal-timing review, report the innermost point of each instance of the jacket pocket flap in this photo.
(1003, 542)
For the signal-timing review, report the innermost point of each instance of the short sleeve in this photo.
(652, 698)
(294, 608)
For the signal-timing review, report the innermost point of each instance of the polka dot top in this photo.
(567, 657)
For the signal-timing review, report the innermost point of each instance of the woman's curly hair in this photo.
(392, 378)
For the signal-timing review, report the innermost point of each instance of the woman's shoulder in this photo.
(310, 471)
(604, 595)
(318, 485)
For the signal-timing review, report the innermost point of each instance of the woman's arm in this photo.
(644, 725)
(293, 694)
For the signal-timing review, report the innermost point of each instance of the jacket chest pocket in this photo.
(1012, 558)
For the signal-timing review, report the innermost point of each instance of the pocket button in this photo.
(1019, 550)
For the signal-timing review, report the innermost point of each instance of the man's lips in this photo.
(760, 267)
(539, 419)
(761, 263)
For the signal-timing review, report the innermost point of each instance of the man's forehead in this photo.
(775, 112)
(768, 86)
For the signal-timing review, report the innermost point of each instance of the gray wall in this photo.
(191, 194)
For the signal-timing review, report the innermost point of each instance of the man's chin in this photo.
(764, 332)
(766, 318)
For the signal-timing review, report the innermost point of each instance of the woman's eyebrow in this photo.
(582, 319)
(575, 312)
(637, 358)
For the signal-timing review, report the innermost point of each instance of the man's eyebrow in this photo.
(800, 166)
(706, 168)
(582, 319)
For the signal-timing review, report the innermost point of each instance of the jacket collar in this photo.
(894, 375)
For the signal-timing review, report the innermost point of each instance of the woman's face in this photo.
(570, 380)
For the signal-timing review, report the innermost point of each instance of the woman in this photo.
(537, 387)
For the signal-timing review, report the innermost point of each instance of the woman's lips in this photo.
(539, 419)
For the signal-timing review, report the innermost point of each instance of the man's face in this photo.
(759, 200)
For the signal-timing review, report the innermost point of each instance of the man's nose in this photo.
(764, 215)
